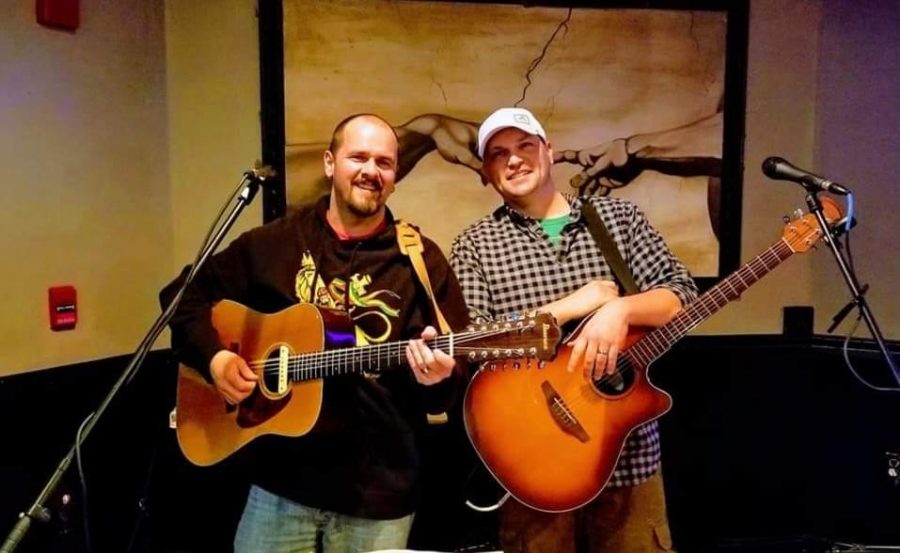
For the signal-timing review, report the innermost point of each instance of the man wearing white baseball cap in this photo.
(536, 252)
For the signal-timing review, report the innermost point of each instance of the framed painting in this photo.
(641, 100)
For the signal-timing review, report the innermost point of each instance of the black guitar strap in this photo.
(608, 248)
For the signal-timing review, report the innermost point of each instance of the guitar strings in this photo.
(650, 347)
(319, 361)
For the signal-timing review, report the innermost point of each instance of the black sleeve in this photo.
(225, 275)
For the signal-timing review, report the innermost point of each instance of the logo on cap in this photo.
(521, 118)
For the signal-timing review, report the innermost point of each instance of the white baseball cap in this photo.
(504, 118)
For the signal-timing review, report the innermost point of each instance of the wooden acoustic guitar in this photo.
(295, 350)
(552, 438)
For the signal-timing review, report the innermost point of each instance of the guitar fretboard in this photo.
(368, 359)
(653, 345)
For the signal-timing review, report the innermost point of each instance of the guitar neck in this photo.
(356, 360)
(653, 345)
(531, 337)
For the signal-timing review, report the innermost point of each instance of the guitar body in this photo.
(515, 418)
(208, 428)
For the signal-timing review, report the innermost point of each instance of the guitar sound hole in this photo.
(270, 372)
(615, 384)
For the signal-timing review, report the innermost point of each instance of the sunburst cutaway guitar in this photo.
(295, 350)
(552, 437)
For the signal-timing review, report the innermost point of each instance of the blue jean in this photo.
(272, 524)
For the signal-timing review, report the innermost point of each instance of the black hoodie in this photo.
(361, 457)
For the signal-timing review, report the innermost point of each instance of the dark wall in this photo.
(771, 442)
(771, 439)
(41, 412)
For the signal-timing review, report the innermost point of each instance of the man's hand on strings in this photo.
(231, 375)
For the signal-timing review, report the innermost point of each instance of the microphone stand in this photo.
(250, 186)
(859, 298)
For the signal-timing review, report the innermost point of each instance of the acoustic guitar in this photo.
(552, 438)
(295, 350)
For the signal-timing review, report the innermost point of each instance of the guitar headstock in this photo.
(802, 234)
(531, 336)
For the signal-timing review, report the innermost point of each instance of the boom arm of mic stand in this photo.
(37, 510)
(815, 206)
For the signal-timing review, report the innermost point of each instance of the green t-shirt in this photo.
(553, 227)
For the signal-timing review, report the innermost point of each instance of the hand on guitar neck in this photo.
(429, 366)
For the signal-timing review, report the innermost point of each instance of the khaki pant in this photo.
(619, 520)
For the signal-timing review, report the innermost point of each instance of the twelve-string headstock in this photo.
(531, 336)
(802, 234)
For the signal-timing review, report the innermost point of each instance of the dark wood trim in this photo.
(271, 111)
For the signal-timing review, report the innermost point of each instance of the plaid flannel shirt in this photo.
(506, 264)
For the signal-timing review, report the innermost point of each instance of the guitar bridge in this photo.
(561, 413)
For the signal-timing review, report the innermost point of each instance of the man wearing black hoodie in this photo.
(352, 483)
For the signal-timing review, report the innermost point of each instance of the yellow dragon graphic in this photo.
(333, 296)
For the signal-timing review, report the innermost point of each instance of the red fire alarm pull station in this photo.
(63, 307)
(58, 14)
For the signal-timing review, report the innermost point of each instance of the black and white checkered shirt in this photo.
(506, 264)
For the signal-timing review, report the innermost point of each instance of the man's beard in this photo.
(364, 206)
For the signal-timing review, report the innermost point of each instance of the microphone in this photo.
(780, 169)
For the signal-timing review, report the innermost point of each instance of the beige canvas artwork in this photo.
(631, 101)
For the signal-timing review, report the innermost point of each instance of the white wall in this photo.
(85, 179)
(858, 138)
(212, 58)
(781, 92)
(121, 141)
(823, 83)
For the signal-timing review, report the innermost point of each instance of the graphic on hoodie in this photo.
(371, 312)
